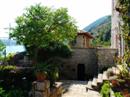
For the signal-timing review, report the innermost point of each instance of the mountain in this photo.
(101, 30)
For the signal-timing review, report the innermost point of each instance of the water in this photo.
(14, 49)
(11, 46)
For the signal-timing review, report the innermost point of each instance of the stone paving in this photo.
(77, 89)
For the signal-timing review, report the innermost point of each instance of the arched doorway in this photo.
(81, 72)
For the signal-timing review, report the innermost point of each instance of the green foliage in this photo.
(54, 50)
(2, 47)
(7, 67)
(40, 25)
(2, 92)
(42, 67)
(117, 94)
(105, 89)
(102, 33)
(9, 56)
(123, 8)
(6, 60)
(51, 70)
(1, 58)
(5, 71)
(16, 83)
(11, 93)
(15, 93)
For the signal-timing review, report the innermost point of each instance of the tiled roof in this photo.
(85, 33)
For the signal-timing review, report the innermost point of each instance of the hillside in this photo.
(101, 30)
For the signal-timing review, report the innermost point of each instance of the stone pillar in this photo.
(57, 90)
(41, 89)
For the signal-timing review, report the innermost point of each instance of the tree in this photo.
(39, 26)
(2, 47)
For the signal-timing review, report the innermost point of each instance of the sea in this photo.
(14, 49)
(11, 46)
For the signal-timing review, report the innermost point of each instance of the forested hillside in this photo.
(101, 30)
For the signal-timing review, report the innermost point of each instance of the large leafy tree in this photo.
(39, 26)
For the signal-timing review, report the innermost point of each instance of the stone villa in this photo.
(86, 61)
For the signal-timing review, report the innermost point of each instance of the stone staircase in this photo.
(96, 82)
(89, 88)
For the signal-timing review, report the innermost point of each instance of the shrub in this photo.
(117, 94)
(2, 92)
(105, 89)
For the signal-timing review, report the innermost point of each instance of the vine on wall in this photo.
(124, 9)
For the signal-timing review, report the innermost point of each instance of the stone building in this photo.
(86, 61)
(83, 40)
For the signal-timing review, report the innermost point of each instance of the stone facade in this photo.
(106, 57)
(93, 59)
(83, 40)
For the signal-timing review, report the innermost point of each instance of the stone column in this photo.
(41, 89)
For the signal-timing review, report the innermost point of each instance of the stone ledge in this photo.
(41, 86)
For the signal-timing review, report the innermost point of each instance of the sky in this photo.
(83, 11)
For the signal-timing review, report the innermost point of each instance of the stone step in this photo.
(94, 82)
(116, 70)
(113, 70)
(105, 76)
(99, 78)
(109, 70)
(89, 85)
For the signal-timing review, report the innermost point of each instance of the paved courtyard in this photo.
(77, 89)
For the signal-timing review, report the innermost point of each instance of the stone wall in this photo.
(43, 89)
(79, 41)
(94, 60)
(106, 58)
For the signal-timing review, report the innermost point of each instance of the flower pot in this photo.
(115, 83)
(125, 93)
(41, 76)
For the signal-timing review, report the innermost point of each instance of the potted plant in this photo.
(125, 93)
(41, 71)
(115, 83)
(53, 75)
